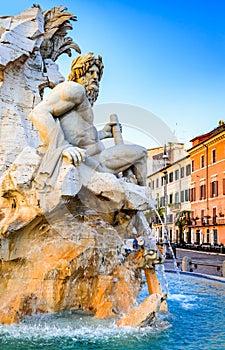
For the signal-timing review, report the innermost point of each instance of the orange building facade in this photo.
(207, 188)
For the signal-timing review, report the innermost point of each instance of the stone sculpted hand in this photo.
(74, 155)
(107, 132)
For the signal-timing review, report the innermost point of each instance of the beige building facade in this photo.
(170, 188)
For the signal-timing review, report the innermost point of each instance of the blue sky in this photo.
(167, 56)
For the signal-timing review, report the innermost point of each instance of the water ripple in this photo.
(196, 316)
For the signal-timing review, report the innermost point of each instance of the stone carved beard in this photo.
(92, 88)
(92, 93)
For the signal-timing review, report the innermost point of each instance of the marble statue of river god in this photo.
(71, 103)
(72, 229)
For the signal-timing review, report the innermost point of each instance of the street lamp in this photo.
(166, 241)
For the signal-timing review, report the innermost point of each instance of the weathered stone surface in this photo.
(122, 195)
(114, 294)
(106, 192)
(154, 287)
(24, 73)
(64, 264)
(67, 259)
(21, 173)
(144, 314)
(18, 201)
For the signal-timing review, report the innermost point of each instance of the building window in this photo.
(171, 198)
(202, 192)
(215, 236)
(182, 196)
(197, 237)
(158, 200)
(214, 189)
(176, 174)
(214, 215)
(192, 194)
(162, 201)
(202, 216)
(153, 184)
(157, 183)
(208, 236)
(177, 197)
(170, 218)
(202, 161)
(182, 172)
(192, 165)
(187, 195)
(188, 169)
(171, 177)
(213, 156)
(162, 180)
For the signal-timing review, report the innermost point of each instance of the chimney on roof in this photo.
(221, 122)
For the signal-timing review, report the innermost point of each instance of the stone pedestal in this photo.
(186, 264)
(223, 269)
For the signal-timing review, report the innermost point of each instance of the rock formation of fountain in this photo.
(67, 249)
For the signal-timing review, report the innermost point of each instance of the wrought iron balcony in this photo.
(175, 206)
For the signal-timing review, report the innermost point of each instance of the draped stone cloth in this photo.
(50, 165)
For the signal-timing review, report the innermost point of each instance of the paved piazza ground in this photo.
(204, 263)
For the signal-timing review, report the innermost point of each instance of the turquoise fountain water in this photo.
(196, 316)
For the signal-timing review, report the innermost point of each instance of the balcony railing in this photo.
(175, 206)
(204, 221)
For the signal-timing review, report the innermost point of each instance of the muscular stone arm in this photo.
(60, 100)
